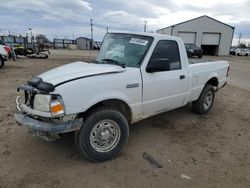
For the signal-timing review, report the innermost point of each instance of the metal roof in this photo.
(196, 19)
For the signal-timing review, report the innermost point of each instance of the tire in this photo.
(205, 101)
(1, 62)
(103, 126)
(200, 56)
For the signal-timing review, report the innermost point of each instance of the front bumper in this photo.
(42, 129)
(5, 57)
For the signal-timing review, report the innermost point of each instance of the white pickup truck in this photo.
(134, 76)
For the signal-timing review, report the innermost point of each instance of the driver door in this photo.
(166, 87)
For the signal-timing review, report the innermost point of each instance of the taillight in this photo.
(7, 49)
(228, 68)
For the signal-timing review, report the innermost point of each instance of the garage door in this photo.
(187, 37)
(210, 39)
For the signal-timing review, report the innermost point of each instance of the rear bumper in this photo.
(222, 86)
(44, 128)
(197, 53)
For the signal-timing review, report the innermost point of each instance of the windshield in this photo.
(124, 49)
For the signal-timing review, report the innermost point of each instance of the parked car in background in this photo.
(232, 50)
(4, 53)
(193, 50)
(242, 52)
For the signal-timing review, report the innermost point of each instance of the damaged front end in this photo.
(42, 112)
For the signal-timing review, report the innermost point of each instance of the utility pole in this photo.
(31, 37)
(145, 26)
(239, 39)
(91, 28)
(107, 29)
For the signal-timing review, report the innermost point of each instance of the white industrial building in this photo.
(84, 43)
(213, 36)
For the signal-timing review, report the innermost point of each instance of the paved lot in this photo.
(212, 150)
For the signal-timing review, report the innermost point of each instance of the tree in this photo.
(42, 42)
(242, 45)
(42, 39)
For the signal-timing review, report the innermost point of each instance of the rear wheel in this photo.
(189, 55)
(205, 101)
(103, 135)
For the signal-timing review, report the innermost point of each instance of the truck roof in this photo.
(154, 35)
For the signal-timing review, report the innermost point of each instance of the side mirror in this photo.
(158, 65)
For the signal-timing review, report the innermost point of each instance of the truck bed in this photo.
(197, 60)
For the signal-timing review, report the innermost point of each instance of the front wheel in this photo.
(103, 135)
(1, 62)
(205, 101)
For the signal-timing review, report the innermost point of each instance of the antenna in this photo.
(145, 26)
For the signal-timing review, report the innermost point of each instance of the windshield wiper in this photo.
(114, 62)
(97, 62)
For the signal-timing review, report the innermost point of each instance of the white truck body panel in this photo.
(76, 70)
(82, 85)
(202, 72)
(81, 94)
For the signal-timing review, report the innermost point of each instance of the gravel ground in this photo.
(194, 151)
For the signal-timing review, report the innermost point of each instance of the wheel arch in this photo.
(213, 80)
(116, 104)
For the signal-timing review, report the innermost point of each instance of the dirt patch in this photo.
(211, 150)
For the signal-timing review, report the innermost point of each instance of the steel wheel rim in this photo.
(105, 135)
(208, 99)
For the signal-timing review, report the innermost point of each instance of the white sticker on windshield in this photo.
(139, 41)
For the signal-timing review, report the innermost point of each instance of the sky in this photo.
(71, 18)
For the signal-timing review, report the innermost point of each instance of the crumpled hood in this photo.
(77, 70)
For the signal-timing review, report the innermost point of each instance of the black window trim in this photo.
(178, 54)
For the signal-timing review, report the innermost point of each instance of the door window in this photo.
(166, 54)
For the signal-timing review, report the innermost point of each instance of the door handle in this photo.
(182, 77)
